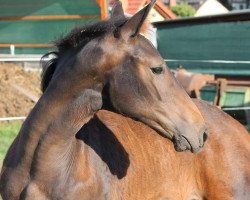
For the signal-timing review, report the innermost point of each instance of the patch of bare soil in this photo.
(19, 90)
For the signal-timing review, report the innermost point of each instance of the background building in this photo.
(235, 4)
(159, 12)
(29, 26)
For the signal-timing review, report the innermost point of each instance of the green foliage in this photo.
(183, 10)
(8, 132)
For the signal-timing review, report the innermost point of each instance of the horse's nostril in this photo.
(205, 136)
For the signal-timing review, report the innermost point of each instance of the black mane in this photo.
(80, 36)
(76, 39)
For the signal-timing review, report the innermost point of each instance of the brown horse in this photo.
(66, 151)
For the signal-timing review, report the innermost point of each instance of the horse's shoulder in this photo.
(216, 117)
(223, 130)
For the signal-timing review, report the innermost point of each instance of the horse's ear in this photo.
(117, 10)
(48, 69)
(132, 27)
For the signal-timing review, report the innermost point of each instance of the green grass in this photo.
(8, 132)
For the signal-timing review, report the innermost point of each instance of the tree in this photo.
(226, 3)
(183, 10)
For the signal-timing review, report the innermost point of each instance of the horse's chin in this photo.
(167, 134)
(180, 142)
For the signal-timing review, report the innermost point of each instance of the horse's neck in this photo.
(59, 113)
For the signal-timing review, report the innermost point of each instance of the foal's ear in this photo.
(132, 27)
(117, 10)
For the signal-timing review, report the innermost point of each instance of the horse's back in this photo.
(142, 160)
(226, 155)
(135, 162)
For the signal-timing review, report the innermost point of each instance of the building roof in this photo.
(132, 6)
(211, 7)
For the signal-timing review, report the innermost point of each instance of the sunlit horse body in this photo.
(68, 150)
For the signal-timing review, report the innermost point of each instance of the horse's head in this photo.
(142, 86)
(138, 82)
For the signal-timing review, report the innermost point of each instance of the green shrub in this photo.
(183, 10)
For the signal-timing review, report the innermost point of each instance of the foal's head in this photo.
(136, 79)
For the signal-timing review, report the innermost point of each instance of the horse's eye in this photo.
(157, 70)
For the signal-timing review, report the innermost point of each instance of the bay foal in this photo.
(43, 160)
(65, 151)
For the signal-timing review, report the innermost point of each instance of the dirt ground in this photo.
(19, 90)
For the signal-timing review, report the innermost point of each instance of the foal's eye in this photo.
(157, 70)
